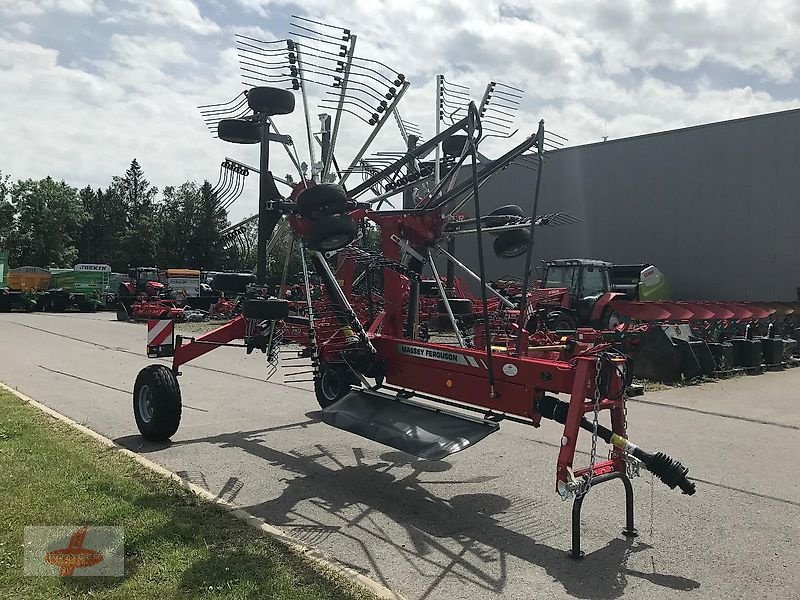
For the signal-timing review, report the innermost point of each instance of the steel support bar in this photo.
(339, 112)
(419, 152)
(477, 278)
(446, 302)
(233, 330)
(526, 276)
(375, 131)
(309, 133)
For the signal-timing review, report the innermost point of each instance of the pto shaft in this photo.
(667, 469)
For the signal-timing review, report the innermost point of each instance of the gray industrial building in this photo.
(715, 207)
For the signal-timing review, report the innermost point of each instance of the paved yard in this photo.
(485, 523)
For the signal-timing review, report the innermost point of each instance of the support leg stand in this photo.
(629, 531)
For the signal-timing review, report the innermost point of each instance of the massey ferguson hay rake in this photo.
(395, 354)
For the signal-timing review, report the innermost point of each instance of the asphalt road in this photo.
(485, 523)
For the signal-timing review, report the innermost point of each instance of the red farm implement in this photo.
(377, 370)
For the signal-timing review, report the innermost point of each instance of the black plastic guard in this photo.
(404, 426)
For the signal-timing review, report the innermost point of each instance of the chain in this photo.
(587, 483)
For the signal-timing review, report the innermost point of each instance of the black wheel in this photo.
(58, 303)
(5, 302)
(331, 232)
(454, 145)
(559, 320)
(511, 244)
(610, 318)
(322, 199)
(270, 101)
(459, 306)
(239, 131)
(157, 403)
(271, 309)
(333, 383)
(122, 312)
(500, 216)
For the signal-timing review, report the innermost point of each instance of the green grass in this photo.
(177, 545)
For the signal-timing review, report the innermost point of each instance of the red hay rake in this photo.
(386, 363)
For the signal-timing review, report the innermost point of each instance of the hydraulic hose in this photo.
(667, 469)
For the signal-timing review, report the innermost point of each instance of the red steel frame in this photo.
(455, 373)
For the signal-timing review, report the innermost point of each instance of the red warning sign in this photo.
(160, 337)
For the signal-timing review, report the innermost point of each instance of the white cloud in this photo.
(632, 66)
(38, 7)
(164, 13)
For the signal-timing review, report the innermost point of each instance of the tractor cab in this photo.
(141, 280)
(586, 284)
(146, 279)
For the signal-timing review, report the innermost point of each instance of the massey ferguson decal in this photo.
(441, 355)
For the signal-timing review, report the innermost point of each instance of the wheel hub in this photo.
(145, 404)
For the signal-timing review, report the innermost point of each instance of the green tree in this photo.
(7, 212)
(138, 198)
(48, 223)
(191, 222)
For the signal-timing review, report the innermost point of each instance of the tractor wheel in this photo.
(511, 244)
(331, 233)
(322, 199)
(122, 312)
(454, 145)
(270, 101)
(5, 303)
(333, 384)
(610, 318)
(559, 320)
(272, 309)
(157, 403)
(239, 131)
(502, 213)
(58, 303)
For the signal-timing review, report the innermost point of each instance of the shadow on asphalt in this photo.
(466, 536)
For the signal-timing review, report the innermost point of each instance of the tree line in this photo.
(48, 223)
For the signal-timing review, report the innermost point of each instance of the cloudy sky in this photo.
(86, 85)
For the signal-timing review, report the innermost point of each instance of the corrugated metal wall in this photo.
(716, 207)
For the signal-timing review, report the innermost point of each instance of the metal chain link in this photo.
(587, 483)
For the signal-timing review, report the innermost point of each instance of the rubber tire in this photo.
(559, 320)
(509, 210)
(511, 244)
(325, 397)
(322, 199)
(331, 232)
(5, 303)
(122, 313)
(58, 303)
(460, 307)
(454, 145)
(270, 101)
(239, 131)
(271, 309)
(166, 398)
(605, 318)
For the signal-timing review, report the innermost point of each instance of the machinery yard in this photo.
(459, 528)
(328, 363)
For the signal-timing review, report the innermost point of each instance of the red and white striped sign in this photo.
(160, 337)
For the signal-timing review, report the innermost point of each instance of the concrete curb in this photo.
(307, 551)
